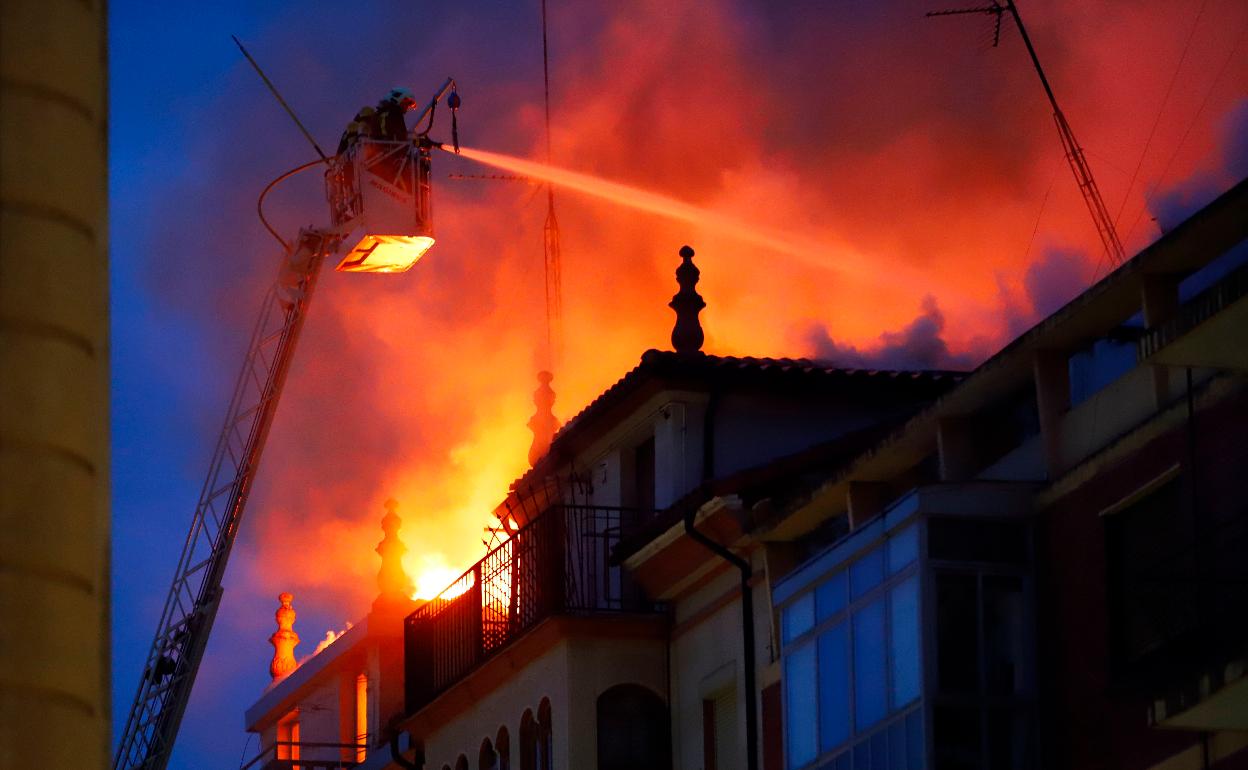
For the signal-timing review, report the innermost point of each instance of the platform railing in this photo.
(311, 755)
(558, 564)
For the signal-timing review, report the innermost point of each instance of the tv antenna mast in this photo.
(1074, 153)
(550, 229)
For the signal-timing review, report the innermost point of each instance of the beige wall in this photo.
(54, 672)
(707, 657)
(571, 674)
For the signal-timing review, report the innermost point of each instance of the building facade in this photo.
(732, 564)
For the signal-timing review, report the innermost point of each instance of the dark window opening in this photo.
(528, 741)
(633, 730)
(773, 729)
(983, 709)
(1152, 566)
(977, 540)
(644, 476)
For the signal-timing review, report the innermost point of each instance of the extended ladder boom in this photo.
(191, 606)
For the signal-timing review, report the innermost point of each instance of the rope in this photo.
(1160, 110)
(288, 174)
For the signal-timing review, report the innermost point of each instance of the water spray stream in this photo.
(745, 230)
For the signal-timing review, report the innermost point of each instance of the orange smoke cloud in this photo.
(917, 164)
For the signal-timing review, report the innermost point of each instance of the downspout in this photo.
(397, 757)
(747, 594)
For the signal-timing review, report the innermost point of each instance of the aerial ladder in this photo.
(379, 197)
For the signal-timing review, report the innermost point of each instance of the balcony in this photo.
(557, 564)
(304, 755)
(1207, 329)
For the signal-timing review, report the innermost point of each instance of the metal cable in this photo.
(1160, 111)
(1192, 124)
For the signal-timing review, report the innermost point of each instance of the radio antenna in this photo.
(1074, 153)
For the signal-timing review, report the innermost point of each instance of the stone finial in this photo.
(284, 639)
(687, 334)
(393, 584)
(543, 423)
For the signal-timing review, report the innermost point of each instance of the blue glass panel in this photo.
(870, 668)
(897, 745)
(830, 597)
(843, 762)
(800, 707)
(833, 687)
(879, 751)
(867, 572)
(903, 548)
(799, 617)
(862, 756)
(914, 740)
(904, 645)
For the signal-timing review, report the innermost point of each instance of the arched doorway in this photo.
(633, 730)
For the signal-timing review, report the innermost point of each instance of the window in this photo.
(772, 728)
(643, 476)
(361, 717)
(633, 729)
(461, 763)
(983, 702)
(528, 741)
(288, 736)
(799, 617)
(833, 687)
(974, 539)
(502, 745)
(850, 687)
(719, 734)
(905, 644)
(799, 682)
(870, 665)
(487, 757)
(1152, 571)
(545, 737)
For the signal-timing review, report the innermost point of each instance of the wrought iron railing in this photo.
(558, 564)
(307, 755)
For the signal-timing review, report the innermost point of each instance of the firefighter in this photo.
(390, 111)
(363, 124)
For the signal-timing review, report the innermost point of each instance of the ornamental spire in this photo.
(687, 334)
(543, 423)
(394, 587)
(284, 639)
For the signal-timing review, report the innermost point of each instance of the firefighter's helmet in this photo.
(402, 97)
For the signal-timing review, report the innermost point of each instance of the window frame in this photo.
(879, 592)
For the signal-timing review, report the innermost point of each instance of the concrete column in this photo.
(865, 499)
(54, 621)
(1051, 369)
(1159, 299)
(958, 451)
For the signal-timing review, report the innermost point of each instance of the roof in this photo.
(667, 370)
